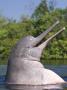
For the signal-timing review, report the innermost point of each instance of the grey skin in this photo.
(24, 65)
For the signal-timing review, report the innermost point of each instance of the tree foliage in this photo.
(40, 10)
(12, 31)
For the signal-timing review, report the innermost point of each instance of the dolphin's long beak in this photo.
(44, 44)
(40, 37)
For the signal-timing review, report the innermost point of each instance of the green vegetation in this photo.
(42, 18)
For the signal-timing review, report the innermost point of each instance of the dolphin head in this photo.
(29, 46)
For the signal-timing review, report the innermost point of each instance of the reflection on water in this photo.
(27, 87)
(61, 70)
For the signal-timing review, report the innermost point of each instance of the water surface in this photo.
(60, 70)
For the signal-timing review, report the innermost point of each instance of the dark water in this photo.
(60, 70)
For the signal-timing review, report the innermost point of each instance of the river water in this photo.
(60, 70)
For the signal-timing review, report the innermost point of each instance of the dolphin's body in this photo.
(24, 65)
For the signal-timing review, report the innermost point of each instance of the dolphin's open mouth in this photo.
(39, 39)
(42, 44)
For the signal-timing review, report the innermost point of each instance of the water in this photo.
(60, 70)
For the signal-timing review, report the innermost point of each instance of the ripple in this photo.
(58, 86)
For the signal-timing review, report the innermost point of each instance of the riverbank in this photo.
(50, 61)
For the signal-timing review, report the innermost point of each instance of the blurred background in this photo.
(19, 18)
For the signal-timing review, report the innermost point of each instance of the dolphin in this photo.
(24, 66)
